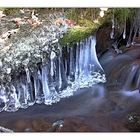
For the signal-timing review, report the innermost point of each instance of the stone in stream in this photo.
(133, 122)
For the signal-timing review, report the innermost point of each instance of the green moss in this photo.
(77, 34)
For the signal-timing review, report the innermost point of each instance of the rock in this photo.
(22, 125)
(75, 125)
(106, 42)
(133, 122)
(24, 45)
(40, 125)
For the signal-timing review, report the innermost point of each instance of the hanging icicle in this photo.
(39, 95)
(113, 27)
(130, 35)
(135, 34)
(124, 31)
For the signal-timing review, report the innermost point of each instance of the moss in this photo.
(77, 34)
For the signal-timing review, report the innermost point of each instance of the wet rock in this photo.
(106, 42)
(22, 125)
(40, 125)
(122, 70)
(128, 75)
(75, 125)
(133, 122)
(56, 126)
(32, 125)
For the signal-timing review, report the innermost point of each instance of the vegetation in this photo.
(79, 33)
(78, 14)
(121, 15)
(84, 18)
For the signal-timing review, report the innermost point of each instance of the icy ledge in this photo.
(65, 71)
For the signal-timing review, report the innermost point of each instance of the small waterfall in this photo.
(128, 76)
(66, 70)
(131, 78)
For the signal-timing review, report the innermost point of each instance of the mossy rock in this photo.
(77, 34)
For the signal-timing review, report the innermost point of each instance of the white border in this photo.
(69, 3)
(70, 136)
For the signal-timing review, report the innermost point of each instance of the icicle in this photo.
(86, 58)
(3, 98)
(66, 67)
(22, 94)
(49, 91)
(52, 68)
(46, 90)
(52, 56)
(77, 62)
(61, 71)
(60, 77)
(29, 88)
(12, 104)
(28, 75)
(39, 96)
(71, 64)
(81, 58)
(53, 93)
(30, 93)
(63, 75)
(124, 31)
(130, 35)
(134, 37)
(113, 27)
